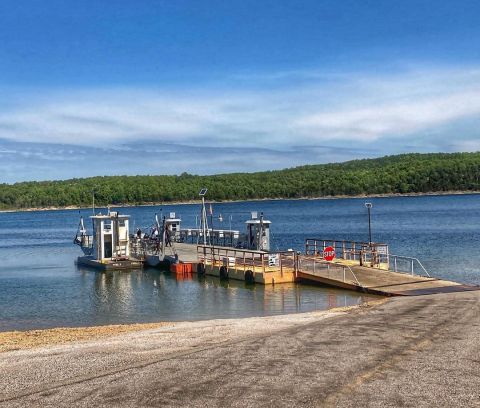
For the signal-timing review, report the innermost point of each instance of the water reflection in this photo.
(154, 295)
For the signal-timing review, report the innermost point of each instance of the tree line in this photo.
(406, 173)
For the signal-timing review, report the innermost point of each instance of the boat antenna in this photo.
(260, 233)
(163, 235)
(202, 193)
(212, 234)
(93, 201)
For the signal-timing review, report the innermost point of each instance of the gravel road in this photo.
(417, 351)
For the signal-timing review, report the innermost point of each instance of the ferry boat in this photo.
(111, 246)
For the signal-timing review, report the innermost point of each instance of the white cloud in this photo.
(348, 108)
(392, 119)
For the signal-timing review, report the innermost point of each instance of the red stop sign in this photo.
(329, 253)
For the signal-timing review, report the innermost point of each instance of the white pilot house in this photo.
(110, 236)
(109, 247)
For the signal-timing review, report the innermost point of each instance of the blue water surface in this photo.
(40, 286)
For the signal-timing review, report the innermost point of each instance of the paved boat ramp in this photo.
(357, 266)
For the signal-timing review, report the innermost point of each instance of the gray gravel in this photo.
(415, 351)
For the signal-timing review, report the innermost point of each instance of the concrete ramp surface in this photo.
(375, 281)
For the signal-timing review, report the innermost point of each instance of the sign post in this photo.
(369, 208)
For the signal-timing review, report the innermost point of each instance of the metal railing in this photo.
(406, 264)
(320, 267)
(230, 238)
(241, 259)
(366, 254)
(140, 248)
(371, 255)
(85, 242)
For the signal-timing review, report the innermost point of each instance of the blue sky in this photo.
(161, 87)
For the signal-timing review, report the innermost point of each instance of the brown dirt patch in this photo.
(19, 340)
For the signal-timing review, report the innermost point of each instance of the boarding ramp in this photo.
(368, 267)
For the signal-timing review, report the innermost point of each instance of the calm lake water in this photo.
(40, 286)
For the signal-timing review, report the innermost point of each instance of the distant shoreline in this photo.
(336, 197)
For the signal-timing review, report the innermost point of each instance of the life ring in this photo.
(201, 268)
(249, 276)
(223, 272)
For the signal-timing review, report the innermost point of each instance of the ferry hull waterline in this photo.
(124, 264)
(362, 266)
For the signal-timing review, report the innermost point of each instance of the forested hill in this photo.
(409, 173)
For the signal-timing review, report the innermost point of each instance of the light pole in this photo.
(369, 208)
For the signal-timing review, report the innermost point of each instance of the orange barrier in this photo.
(181, 268)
